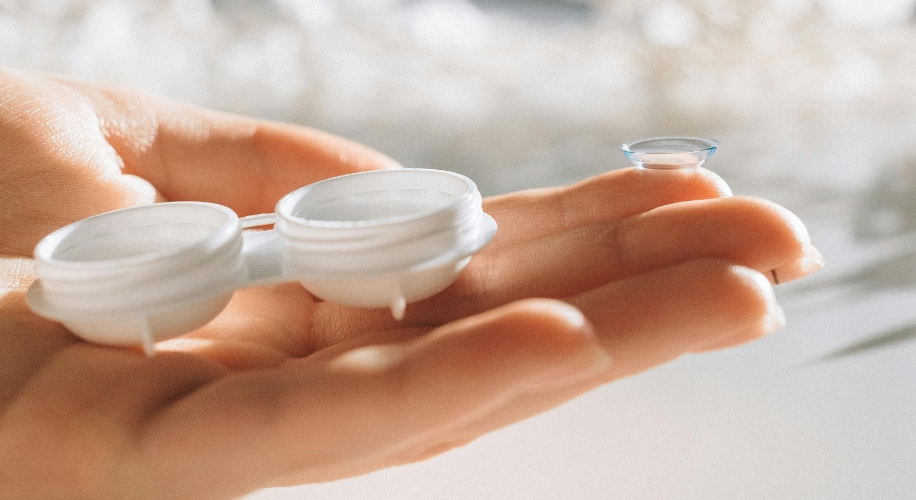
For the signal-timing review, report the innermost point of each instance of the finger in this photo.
(527, 215)
(747, 231)
(643, 322)
(317, 421)
(55, 164)
(190, 153)
(657, 316)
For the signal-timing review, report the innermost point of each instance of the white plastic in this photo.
(141, 274)
(382, 238)
(149, 273)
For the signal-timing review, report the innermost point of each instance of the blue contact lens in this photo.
(670, 153)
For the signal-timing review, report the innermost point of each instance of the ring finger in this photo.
(642, 322)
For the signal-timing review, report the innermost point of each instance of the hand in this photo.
(582, 285)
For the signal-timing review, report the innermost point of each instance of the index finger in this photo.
(527, 215)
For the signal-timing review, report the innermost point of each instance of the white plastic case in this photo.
(373, 239)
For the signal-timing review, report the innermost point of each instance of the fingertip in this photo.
(758, 312)
(772, 321)
(770, 316)
(692, 183)
(809, 263)
(800, 257)
(798, 228)
(672, 186)
(716, 182)
(761, 295)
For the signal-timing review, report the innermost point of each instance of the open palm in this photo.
(582, 285)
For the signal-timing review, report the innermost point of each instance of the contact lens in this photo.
(670, 153)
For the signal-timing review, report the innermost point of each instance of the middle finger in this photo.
(750, 232)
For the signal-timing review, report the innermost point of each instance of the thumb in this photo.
(56, 165)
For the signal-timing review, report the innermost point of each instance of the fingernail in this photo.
(810, 262)
(774, 320)
(775, 317)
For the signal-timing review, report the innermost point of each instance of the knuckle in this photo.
(615, 238)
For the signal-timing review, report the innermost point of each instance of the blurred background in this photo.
(813, 101)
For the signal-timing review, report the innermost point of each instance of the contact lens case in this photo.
(139, 275)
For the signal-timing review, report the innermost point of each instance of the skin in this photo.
(583, 285)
